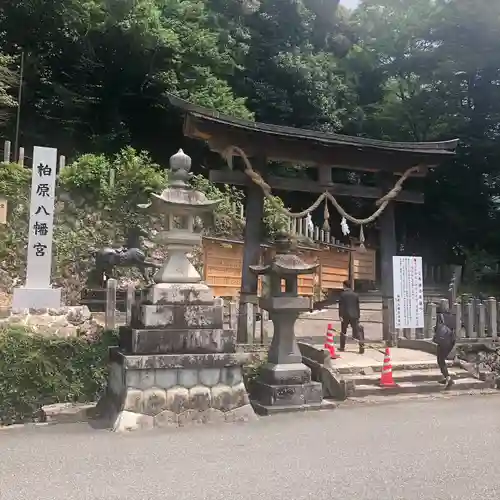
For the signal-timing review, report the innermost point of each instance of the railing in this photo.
(474, 320)
(302, 228)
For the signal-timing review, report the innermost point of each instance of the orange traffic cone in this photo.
(386, 379)
(329, 345)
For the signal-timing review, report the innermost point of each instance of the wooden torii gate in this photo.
(264, 142)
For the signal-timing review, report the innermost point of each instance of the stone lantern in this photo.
(284, 383)
(176, 363)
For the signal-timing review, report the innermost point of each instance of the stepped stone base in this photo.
(287, 387)
(264, 410)
(174, 390)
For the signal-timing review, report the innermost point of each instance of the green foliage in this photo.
(118, 184)
(252, 371)
(7, 80)
(400, 70)
(14, 181)
(37, 370)
(228, 220)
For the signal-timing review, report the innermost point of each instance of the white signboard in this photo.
(408, 292)
(41, 226)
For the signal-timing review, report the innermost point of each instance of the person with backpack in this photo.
(444, 338)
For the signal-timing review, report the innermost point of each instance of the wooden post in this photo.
(492, 318)
(254, 207)
(110, 313)
(388, 249)
(62, 163)
(6, 152)
(130, 303)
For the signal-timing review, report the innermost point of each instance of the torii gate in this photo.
(263, 142)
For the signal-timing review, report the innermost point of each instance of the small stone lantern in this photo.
(176, 363)
(284, 383)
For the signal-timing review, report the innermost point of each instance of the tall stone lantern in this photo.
(284, 383)
(176, 363)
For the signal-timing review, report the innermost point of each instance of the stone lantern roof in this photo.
(179, 197)
(285, 262)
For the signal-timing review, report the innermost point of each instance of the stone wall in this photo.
(64, 322)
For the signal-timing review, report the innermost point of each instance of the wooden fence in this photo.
(223, 261)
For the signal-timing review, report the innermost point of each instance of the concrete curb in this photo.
(24, 426)
(354, 402)
(68, 413)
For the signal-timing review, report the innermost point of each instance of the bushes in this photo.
(96, 204)
(37, 370)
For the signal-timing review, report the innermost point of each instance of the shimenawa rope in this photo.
(381, 203)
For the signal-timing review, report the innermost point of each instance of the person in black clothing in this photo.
(349, 316)
(444, 338)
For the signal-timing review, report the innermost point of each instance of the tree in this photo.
(7, 81)
(97, 71)
(435, 68)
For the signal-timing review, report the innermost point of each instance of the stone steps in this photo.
(401, 376)
(354, 371)
(422, 387)
(413, 379)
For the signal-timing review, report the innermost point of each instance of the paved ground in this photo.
(439, 450)
(375, 357)
(315, 324)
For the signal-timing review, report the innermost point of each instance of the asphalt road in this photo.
(444, 449)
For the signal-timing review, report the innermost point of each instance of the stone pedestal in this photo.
(36, 298)
(176, 364)
(171, 390)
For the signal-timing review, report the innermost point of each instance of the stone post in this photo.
(110, 312)
(481, 320)
(130, 303)
(469, 321)
(6, 151)
(21, 156)
(458, 320)
(430, 320)
(492, 318)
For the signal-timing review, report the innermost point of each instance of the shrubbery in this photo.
(97, 198)
(38, 370)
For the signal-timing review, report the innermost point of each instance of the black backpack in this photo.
(444, 335)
